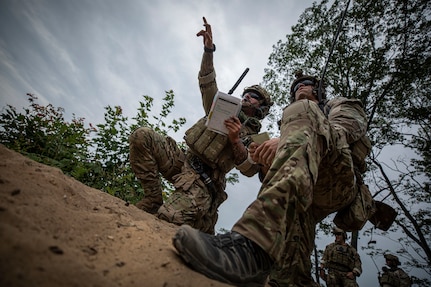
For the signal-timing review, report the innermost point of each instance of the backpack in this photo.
(362, 208)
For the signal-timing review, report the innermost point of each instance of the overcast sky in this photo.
(86, 55)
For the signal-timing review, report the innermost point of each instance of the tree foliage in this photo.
(97, 156)
(42, 133)
(382, 57)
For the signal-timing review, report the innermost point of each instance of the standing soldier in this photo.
(393, 276)
(199, 173)
(342, 262)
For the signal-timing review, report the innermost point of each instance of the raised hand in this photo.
(207, 35)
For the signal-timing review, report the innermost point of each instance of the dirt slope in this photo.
(55, 231)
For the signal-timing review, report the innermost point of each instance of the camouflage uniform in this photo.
(394, 276)
(311, 176)
(340, 259)
(208, 158)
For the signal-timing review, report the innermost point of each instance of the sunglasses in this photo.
(253, 95)
(303, 83)
(338, 233)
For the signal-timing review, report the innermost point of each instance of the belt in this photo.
(200, 167)
(338, 267)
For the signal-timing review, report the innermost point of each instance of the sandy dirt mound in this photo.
(56, 231)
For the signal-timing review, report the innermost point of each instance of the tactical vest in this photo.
(209, 146)
(215, 149)
(388, 279)
(341, 258)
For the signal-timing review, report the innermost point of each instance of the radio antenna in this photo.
(238, 81)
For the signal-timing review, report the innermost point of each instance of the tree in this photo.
(386, 64)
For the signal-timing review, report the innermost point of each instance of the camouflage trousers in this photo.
(310, 177)
(152, 156)
(337, 278)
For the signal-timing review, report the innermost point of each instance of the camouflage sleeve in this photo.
(242, 161)
(358, 264)
(248, 168)
(240, 152)
(325, 256)
(348, 115)
(207, 81)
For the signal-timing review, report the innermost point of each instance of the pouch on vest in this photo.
(356, 214)
(211, 147)
(208, 145)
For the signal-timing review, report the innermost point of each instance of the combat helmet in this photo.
(299, 75)
(265, 104)
(336, 229)
(392, 258)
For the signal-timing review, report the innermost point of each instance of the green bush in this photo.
(97, 156)
(42, 134)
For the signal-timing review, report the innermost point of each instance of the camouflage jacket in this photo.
(395, 277)
(342, 257)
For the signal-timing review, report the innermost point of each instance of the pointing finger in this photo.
(207, 26)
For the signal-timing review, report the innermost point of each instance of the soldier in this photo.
(393, 276)
(198, 174)
(342, 261)
(310, 177)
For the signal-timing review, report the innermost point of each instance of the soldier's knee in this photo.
(170, 215)
(140, 135)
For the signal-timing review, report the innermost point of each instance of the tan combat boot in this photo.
(149, 204)
(152, 197)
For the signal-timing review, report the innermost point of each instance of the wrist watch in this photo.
(210, 50)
